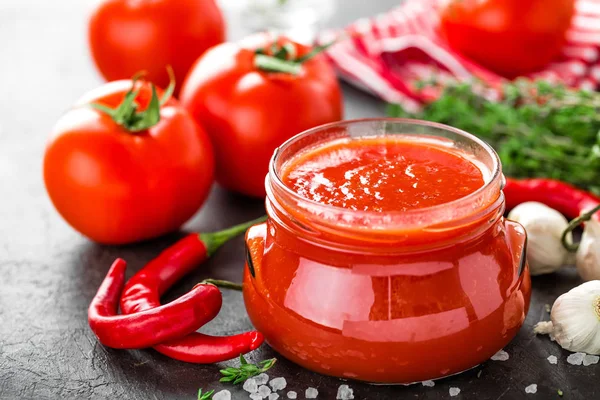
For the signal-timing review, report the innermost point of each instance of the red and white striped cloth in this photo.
(387, 54)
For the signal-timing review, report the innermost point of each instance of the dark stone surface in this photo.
(49, 273)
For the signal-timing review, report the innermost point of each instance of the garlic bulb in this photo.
(576, 319)
(587, 258)
(544, 227)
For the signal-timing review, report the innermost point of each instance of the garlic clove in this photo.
(576, 319)
(587, 258)
(544, 227)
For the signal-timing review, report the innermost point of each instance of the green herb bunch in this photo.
(245, 370)
(539, 129)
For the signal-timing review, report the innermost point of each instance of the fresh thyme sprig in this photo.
(245, 370)
(539, 129)
(205, 396)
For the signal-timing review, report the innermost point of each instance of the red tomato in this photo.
(248, 111)
(127, 36)
(116, 186)
(510, 37)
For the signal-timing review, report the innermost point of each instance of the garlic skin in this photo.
(544, 227)
(587, 258)
(576, 319)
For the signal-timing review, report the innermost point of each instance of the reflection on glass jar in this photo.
(387, 297)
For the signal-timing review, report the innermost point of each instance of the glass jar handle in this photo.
(255, 246)
(517, 241)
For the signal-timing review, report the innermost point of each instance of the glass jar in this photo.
(387, 297)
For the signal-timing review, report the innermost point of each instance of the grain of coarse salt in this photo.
(454, 391)
(292, 395)
(273, 396)
(256, 396)
(222, 395)
(428, 383)
(250, 386)
(552, 359)
(278, 384)
(576, 358)
(345, 393)
(311, 393)
(590, 359)
(500, 356)
(261, 379)
(264, 391)
(531, 389)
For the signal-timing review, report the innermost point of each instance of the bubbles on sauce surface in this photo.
(382, 174)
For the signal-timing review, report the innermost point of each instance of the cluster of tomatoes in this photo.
(131, 162)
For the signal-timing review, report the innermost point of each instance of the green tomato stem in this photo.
(127, 115)
(273, 64)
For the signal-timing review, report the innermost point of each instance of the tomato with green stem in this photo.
(126, 36)
(510, 37)
(123, 166)
(252, 96)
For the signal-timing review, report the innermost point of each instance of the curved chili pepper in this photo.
(558, 195)
(204, 349)
(144, 289)
(149, 327)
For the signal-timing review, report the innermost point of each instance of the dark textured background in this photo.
(49, 273)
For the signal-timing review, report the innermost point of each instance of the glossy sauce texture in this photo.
(386, 312)
(381, 174)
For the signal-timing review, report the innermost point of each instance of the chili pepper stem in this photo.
(214, 240)
(223, 284)
(573, 247)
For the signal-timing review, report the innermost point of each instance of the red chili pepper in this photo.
(149, 327)
(144, 289)
(558, 195)
(204, 349)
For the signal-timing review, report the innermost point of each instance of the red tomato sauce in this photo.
(382, 174)
(378, 310)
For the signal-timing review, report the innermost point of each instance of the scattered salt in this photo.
(552, 359)
(531, 389)
(590, 359)
(311, 393)
(222, 395)
(454, 391)
(264, 391)
(273, 396)
(256, 396)
(250, 386)
(500, 356)
(278, 384)
(428, 383)
(576, 358)
(548, 309)
(292, 395)
(261, 379)
(345, 393)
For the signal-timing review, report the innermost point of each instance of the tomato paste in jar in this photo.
(386, 257)
(381, 174)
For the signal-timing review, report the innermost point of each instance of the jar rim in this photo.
(495, 179)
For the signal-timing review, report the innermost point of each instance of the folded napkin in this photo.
(388, 54)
